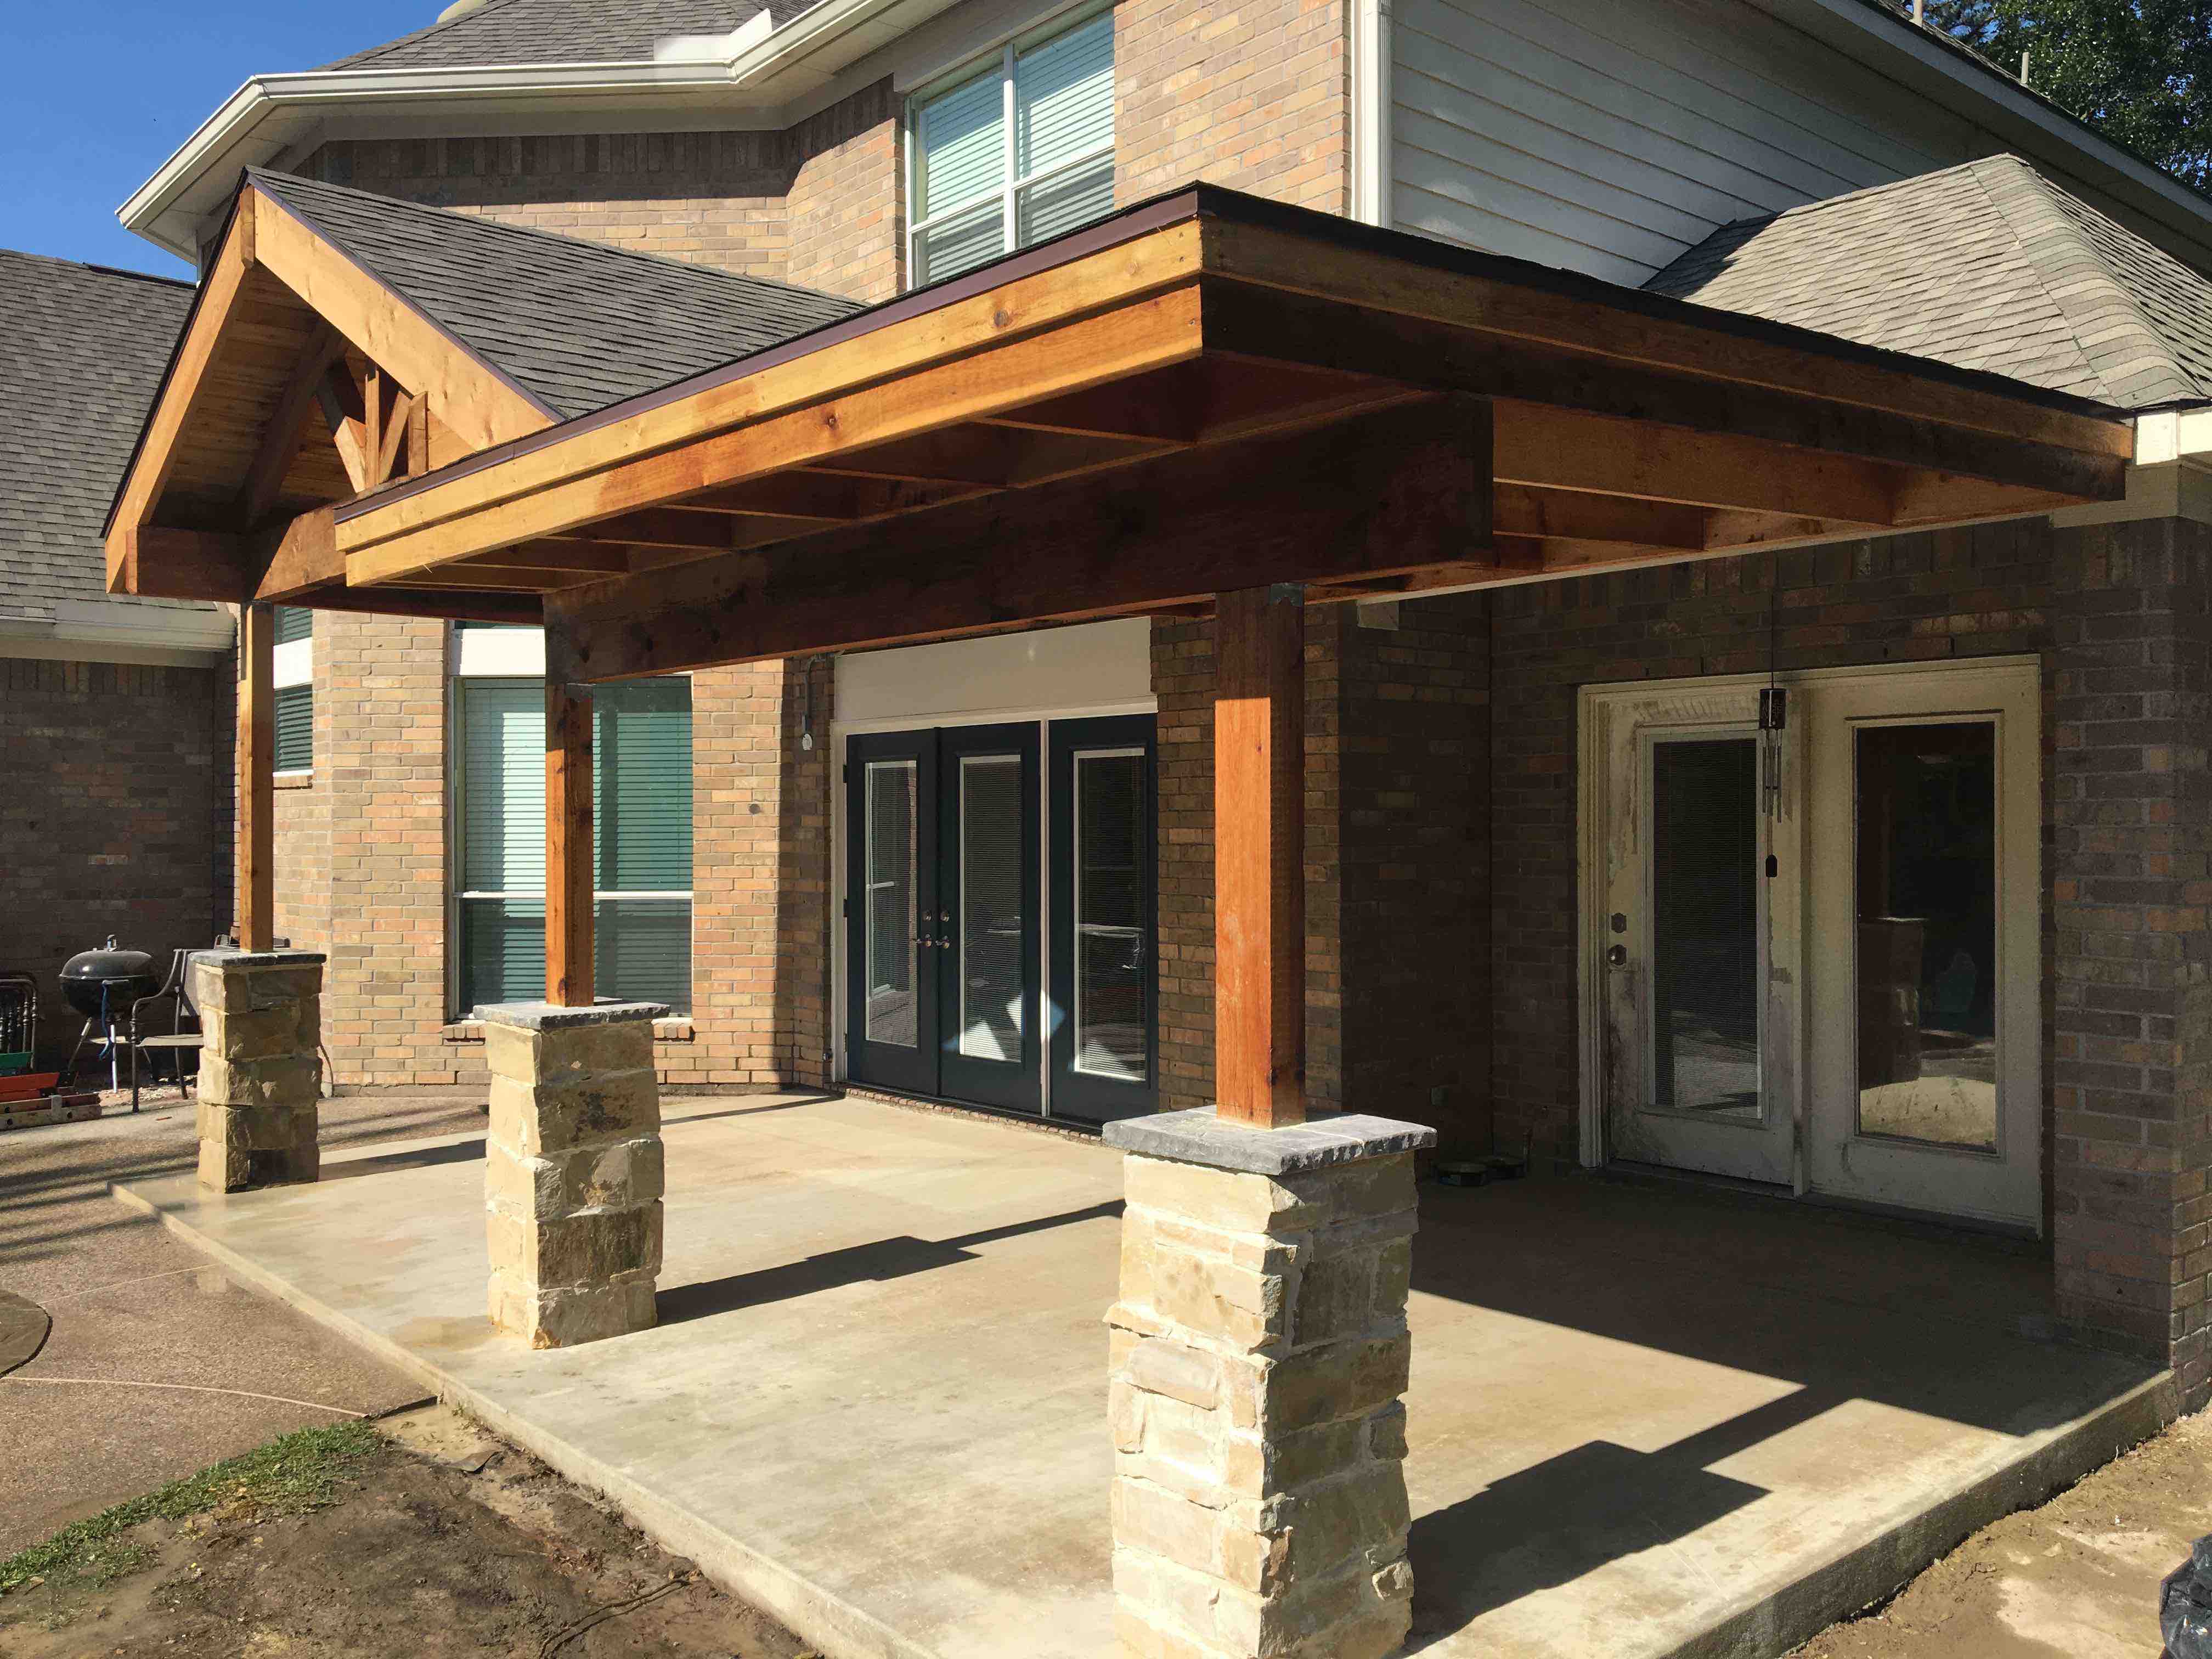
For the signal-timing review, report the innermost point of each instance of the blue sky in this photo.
(69, 153)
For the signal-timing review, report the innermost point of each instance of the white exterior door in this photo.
(1926, 896)
(1812, 957)
(1695, 940)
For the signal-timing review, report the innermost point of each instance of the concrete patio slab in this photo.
(1642, 1423)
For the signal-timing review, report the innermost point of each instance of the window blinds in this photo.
(641, 840)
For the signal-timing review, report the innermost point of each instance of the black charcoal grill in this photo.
(101, 984)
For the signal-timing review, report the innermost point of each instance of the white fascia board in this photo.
(749, 87)
(1893, 44)
(96, 622)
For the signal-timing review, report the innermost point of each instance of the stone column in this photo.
(572, 1169)
(261, 1066)
(1259, 1351)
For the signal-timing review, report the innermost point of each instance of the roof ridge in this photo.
(2035, 200)
(355, 59)
(101, 269)
(488, 223)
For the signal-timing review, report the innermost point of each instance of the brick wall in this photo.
(846, 192)
(714, 198)
(1416, 866)
(1257, 98)
(1183, 683)
(1396, 970)
(818, 205)
(2131, 889)
(127, 832)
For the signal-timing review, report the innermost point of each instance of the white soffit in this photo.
(748, 78)
(1088, 665)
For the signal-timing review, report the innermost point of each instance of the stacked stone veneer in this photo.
(1259, 1350)
(261, 1068)
(573, 1170)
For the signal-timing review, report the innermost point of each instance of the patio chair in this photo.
(177, 1041)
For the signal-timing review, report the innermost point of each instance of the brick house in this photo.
(119, 708)
(1933, 946)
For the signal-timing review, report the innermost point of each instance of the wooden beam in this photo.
(482, 510)
(304, 556)
(254, 886)
(607, 559)
(475, 399)
(1259, 857)
(968, 337)
(1552, 515)
(568, 874)
(452, 604)
(1572, 315)
(654, 526)
(150, 468)
(1267, 326)
(346, 417)
(985, 456)
(1549, 448)
(1403, 489)
(817, 495)
(287, 427)
(163, 563)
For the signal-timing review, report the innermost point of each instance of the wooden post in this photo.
(569, 873)
(1259, 857)
(254, 897)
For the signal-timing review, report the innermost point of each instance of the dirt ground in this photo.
(2076, 1579)
(449, 1543)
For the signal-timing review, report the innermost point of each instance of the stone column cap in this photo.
(552, 1017)
(227, 957)
(1205, 1137)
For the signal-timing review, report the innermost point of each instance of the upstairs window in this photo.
(294, 684)
(1014, 154)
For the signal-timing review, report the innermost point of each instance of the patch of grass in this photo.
(291, 1475)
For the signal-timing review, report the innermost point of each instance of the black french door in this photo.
(1105, 983)
(941, 914)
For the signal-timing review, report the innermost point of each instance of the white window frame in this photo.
(1010, 188)
(513, 654)
(294, 664)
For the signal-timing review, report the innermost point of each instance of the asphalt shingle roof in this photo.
(1989, 266)
(86, 349)
(513, 32)
(576, 325)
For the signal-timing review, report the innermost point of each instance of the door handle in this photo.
(1616, 956)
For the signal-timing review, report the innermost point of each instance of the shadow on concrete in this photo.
(877, 1260)
(668, 1123)
(420, 1158)
(1553, 1522)
(1847, 1310)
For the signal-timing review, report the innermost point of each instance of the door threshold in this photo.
(1845, 1212)
(921, 1102)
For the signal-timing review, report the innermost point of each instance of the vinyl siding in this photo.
(1608, 139)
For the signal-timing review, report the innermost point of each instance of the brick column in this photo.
(572, 1169)
(261, 1067)
(2131, 903)
(1260, 1347)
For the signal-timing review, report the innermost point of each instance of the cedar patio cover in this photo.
(1204, 393)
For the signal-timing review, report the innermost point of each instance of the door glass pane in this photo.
(991, 960)
(1927, 931)
(1110, 1038)
(1704, 927)
(891, 860)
